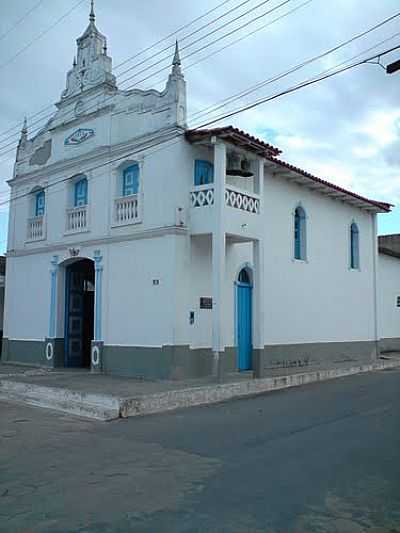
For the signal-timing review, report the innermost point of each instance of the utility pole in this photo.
(393, 67)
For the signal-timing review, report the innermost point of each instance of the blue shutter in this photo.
(354, 247)
(300, 234)
(40, 204)
(203, 172)
(130, 184)
(297, 235)
(81, 193)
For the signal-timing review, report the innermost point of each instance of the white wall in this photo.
(320, 300)
(389, 291)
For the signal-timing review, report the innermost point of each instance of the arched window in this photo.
(300, 234)
(354, 247)
(203, 172)
(244, 277)
(81, 193)
(130, 180)
(40, 203)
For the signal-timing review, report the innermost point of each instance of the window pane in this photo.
(81, 193)
(203, 172)
(130, 183)
(40, 204)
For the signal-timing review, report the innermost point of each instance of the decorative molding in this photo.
(143, 234)
(79, 136)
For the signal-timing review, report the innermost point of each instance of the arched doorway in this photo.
(244, 306)
(79, 313)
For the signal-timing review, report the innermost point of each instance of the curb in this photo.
(107, 407)
(191, 397)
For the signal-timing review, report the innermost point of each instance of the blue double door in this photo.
(244, 325)
(79, 314)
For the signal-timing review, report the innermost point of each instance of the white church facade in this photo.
(140, 247)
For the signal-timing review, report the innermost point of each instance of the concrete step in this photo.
(97, 406)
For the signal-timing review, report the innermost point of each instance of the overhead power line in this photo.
(40, 35)
(187, 25)
(3, 147)
(146, 146)
(21, 20)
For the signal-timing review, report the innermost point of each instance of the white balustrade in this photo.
(77, 219)
(242, 200)
(202, 196)
(36, 229)
(126, 210)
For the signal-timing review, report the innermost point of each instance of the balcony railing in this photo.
(36, 229)
(77, 219)
(202, 196)
(127, 210)
(243, 200)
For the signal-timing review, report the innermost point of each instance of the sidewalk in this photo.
(103, 397)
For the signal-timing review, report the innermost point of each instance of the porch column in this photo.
(218, 255)
(98, 296)
(258, 294)
(53, 296)
(258, 283)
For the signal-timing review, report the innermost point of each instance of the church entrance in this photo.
(244, 320)
(79, 313)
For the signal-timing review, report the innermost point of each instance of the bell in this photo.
(238, 166)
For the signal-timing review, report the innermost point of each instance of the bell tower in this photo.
(92, 66)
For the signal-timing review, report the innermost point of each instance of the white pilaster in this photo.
(258, 295)
(218, 250)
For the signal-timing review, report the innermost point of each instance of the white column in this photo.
(258, 295)
(53, 297)
(98, 295)
(218, 253)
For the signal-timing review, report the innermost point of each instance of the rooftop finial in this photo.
(24, 130)
(92, 16)
(177, 60)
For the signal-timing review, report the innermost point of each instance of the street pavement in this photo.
(324, 458)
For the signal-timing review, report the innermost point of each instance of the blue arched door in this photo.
(244, 320)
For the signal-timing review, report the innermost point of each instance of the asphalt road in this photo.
(322, 458)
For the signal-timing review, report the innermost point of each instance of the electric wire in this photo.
(21, 20)
(39, 128)
(146, 146)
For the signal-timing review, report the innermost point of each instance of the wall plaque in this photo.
(206, 303)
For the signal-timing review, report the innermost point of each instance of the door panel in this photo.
(244, 325)
(79, 314)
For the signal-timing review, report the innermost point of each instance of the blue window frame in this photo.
(81, 193)
(354, 247)
(130, 180)
(40, 203)
(300, 234)
(203, 172)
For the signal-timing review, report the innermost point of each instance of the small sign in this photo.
(206, 303)
(79, 136)
(156, 282)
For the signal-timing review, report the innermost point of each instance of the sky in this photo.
(345, 129)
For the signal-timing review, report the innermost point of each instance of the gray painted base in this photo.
(389, 345)
(168, 362)
(322, 355)
(57, 353)
(181, 362)
(96, 357)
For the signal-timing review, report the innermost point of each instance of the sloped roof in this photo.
(327, 187)
(270, 153)
(234, 136)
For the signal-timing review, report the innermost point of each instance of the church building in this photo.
(140, 247)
